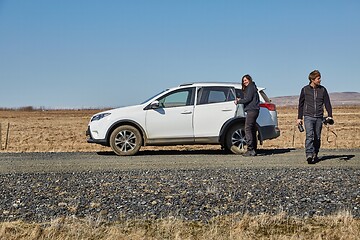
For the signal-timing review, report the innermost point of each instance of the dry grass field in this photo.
(64, 131)
(244, 227)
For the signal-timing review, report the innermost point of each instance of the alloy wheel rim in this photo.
(125, 141)
(238, 139)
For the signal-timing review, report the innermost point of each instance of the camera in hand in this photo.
(301, 128)
(327, 121)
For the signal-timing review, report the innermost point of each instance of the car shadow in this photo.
(170, 152)
(105, 153)
(339, 157)
(261, 152)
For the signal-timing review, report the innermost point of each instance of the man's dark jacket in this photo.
(312, 101)
(251, 98)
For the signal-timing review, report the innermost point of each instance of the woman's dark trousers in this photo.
(250, 129)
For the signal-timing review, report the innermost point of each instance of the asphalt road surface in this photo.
(172, 159)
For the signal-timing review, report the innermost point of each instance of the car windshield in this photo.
(154, 96)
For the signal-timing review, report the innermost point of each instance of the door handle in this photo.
(187, 112)
(227, 110)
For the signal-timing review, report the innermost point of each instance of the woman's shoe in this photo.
(250, 153)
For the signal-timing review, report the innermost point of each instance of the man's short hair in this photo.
(314, 74)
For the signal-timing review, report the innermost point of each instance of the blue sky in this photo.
(79, 54)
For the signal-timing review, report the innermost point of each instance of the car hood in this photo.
(124, 110)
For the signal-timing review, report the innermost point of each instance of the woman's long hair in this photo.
(248, 77)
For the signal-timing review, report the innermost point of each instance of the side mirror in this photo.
(154, 105)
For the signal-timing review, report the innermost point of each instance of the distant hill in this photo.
(337, 99)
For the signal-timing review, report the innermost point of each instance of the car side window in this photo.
(239, 93)
(207, 95)
(178, 98)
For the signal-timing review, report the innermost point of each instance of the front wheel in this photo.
(125, 140)
(235, 139)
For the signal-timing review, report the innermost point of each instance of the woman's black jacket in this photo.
(251, 98)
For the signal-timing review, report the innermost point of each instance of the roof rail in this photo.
(185, 84)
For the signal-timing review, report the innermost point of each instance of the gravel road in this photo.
(195, 185)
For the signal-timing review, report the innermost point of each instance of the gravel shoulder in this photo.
(192, 185)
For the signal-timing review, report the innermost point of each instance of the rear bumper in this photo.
(90, 138)
(269, 132)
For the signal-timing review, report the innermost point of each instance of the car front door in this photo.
(173, 118)
(215, 105)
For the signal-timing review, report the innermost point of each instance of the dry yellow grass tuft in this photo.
(340, 226)
(64, 131)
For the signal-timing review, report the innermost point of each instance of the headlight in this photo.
(99, 116)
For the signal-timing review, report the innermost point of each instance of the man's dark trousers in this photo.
(313, 127)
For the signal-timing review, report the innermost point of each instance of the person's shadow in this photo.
(339, 157)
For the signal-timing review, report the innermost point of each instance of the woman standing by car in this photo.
(251, 107)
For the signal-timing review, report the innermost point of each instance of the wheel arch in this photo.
(232, 121)
(122, 123)
(228, 124)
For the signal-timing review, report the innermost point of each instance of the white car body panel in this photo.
(265, 117)
(170, 122)
(132, 113)
(209, 118)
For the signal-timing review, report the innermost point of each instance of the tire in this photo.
(125, 140)
(235, 139)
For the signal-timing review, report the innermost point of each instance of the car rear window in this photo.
(264, 96)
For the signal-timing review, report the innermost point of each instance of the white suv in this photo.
(196, 113)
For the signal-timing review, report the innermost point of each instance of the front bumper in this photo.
(90, 138)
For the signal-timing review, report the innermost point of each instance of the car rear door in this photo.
(214, 106)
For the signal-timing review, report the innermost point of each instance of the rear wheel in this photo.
(235, 139)
(125, 140)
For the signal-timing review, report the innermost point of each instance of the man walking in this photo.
(312, 99)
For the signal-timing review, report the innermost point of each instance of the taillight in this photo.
(269, 106)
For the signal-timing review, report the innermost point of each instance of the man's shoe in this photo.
(309, 159)
(250, 153)
(315, 158)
